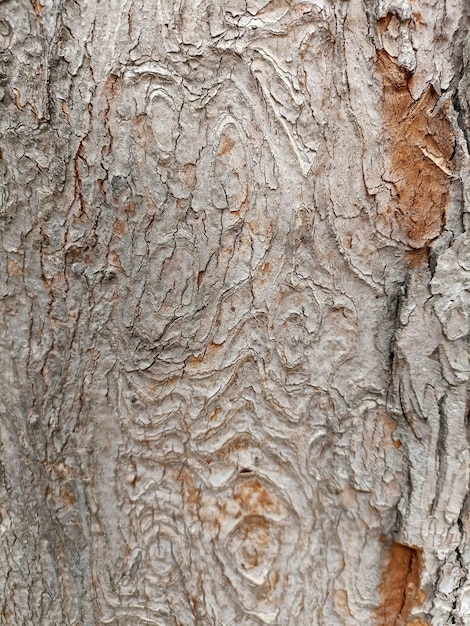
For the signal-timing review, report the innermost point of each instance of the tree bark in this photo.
(235, 308)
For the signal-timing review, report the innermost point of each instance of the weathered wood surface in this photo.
(235, 311)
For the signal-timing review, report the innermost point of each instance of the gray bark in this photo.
(235, 312)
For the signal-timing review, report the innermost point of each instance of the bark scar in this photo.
(400, 590)
(420, 143)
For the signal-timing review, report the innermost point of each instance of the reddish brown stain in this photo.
(417, 258)
(274, 5)
(68, 497)
(274, 578)
(255, 535)
(65, 111)
(194, 360)
(109, 92)
(418, 18)
(119, 227)
(131, 209)
(192, 494)
(37, 6)
(226, 145)
(389, 429)
(384, 22)
(14, 269)
(215, 415)
(195, 604)
(210, 352)
(188, 176)
(115, 259)
(420, 144)
(400, 588)
(17, 95)
(254, 497)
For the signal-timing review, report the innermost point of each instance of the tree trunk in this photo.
(235, 306)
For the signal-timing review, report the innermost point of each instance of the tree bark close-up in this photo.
(235, 305)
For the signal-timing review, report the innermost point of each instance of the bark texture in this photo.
(235, 310)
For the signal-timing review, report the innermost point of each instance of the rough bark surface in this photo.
(235, 312)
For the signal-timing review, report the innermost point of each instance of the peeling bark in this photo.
(234, 287)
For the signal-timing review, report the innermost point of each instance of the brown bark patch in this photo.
(226, 145)
(255, 498)
(384, 22)
(419, 140)
(37, 6)
(115, 259)
(192, 494)
(65, 111)
(188, 176)
(119, 227)
(254, 533)
(400, 588)
(417, 258)
(418, 19)
(14, 269)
